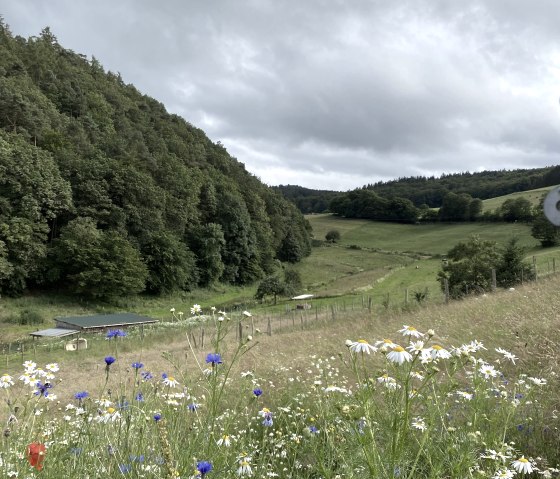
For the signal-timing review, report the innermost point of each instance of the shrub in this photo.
(333, 236)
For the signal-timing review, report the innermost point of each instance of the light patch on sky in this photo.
(334, 94)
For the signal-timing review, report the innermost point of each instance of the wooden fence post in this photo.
(446, 289)
(494, 286)
(269, 327)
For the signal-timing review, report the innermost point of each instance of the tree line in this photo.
(103, 192)
(430, 192)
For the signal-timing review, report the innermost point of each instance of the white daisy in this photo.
(244, 466)
(522, 465)
(385, 345)
(362, 346)
(399, 355)
(538, 381)
(419, 423)
(224, 441)
(488, 371)
(416, 347)
(507, 354)
(438, 352)
(6, 381)
(170, 381)
(410, 331)
(503, 474)
(52, 367)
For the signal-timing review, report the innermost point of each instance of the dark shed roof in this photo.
(105, 320)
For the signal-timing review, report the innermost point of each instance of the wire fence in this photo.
(303, 315)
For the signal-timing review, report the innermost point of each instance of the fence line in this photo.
(275, 322)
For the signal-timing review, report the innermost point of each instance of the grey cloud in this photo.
(323, 90)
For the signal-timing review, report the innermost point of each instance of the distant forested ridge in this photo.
(483, 185)
(431, 191)
(102, 192)
(306, 199)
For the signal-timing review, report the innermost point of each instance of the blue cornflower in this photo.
(139, 458)
(109, 360)
(139, 397)
(313, 430)
(125, 468)
(204, 467)
(124, 404)
(76, 450)
(114, 333)
(257, 392)
(42, 389)
(214, 358)
(81, 395)
(267, 419)
(164, 375)
(137, 365)
(193, 407)
(147, 375)
(157, 417)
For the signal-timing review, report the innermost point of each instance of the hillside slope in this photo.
(103, 192)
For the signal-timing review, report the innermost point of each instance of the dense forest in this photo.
(103, 192)
(430, 192)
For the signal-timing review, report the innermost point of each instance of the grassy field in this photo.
(302, 391)
(382, 263)
(534, 196)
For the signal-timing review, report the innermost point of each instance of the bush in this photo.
(27, 317)
(333, 236)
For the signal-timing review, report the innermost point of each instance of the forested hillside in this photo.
(431, 191)
(102, 192)
(486, 184)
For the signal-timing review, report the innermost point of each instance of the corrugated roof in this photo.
(106, 320)
(54, 332)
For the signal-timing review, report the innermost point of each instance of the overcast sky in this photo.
(335, 94)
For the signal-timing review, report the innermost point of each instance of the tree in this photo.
(290, 249)
(518, 209)
(333, 236)
(511, 268)
(170, 263)
(96, 263)
(543, 230)
(292, 282)
(469, 267)
(270, 286)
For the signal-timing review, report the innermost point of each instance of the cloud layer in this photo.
(335, 94)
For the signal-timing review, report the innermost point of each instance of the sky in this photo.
(335, 94)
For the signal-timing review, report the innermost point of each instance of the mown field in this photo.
(384, 263)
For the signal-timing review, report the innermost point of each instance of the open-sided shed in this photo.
(80, 324)
(102, 321)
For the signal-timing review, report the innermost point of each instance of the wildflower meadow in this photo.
(409, 406)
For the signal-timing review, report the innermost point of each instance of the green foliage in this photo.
(543, 230)
(518, 209)
(512, 269)
(97, 263)
(333, 236)
(171, 265)
(28, 317)
(469, 267)
(77, 142)
(270, 286)
(363, 203)
(292, 282)
(460, 207)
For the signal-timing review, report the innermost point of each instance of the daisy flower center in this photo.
(437, 347)
(399, 349)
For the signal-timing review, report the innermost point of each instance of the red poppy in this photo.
(36, 455)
